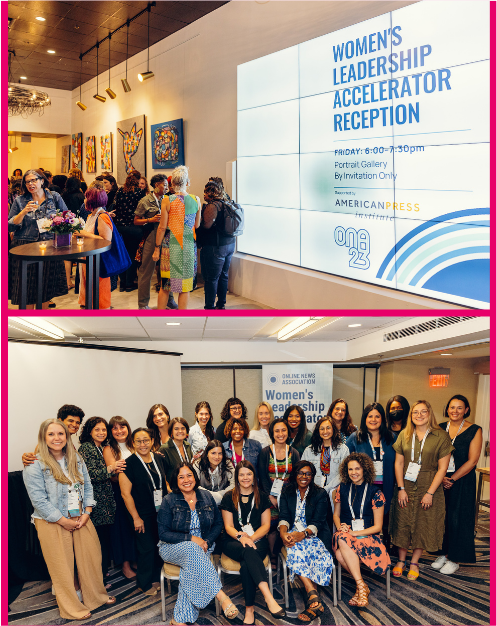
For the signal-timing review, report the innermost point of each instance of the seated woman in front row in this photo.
(247, 519)
(215, 471)
(189, 524)
(306, 535)
(358, 515)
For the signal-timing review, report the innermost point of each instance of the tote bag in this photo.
(116, 260)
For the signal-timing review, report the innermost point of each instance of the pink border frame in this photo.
(251, 313)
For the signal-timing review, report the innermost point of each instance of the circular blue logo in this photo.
(273, 379)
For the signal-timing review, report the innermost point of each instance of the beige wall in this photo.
(39, 153)
(409, 378)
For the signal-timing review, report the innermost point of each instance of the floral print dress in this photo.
(105, 510)
(369, 549)
(309, 557)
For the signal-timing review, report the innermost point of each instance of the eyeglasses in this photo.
(32, 181)
(304, 475)
(142, 441)
(418, 413)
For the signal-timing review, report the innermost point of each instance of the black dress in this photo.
(460, 502)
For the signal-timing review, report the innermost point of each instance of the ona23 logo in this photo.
(358, 243)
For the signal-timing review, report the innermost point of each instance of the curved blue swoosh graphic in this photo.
(422, 227)
(465, 279)
(445, 257)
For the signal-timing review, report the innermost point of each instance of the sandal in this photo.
(230, 612)
(111, 600)
(311, 613)
(412, 575)
(87, 616)
(363, 594)
(355, 598)
(397, 571)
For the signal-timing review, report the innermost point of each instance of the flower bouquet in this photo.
(62, 225)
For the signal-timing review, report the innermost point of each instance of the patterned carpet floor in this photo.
(463, 598)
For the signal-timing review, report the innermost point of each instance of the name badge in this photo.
(378, 468)
(320, 481)
(452, 465)
(412, 471)
(157, 498)
(247, 528)
(277, 487)
(357, 524)
(39, 222)
(300, 527)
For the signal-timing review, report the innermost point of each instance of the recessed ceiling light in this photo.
(51, 51)
(40, 19)
(22, 77)
(173, 323)
(354, 325)
(446, 353)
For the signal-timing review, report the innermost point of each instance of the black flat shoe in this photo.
(279, 614)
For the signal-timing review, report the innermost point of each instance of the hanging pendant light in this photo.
(109, 91)
(79, 103)
(13, 149)
(124, 81)
(97, 96)
(148, 74)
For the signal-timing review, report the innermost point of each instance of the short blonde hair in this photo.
(432, 420)
(180, 178)
(257, 425)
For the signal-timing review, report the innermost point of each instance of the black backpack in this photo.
(230, 219)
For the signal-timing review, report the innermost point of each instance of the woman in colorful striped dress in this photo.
(176, 241)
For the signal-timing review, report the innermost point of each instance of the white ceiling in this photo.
(195, 328)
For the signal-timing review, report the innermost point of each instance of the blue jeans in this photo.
(215, 262)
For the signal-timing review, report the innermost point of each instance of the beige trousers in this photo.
(60, 547)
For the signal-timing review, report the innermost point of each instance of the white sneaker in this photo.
(440, 562)
(79, 594)
(449, 568)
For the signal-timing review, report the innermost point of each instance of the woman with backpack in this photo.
(216, 248)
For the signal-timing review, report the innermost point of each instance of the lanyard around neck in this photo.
(422, 445)
(179, 453)
(460, 428)
(276, 461)
(362, 503)
(372, 448)
(149, 473)
(240, 512)
(233, 452)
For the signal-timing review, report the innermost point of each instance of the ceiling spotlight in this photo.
(125, 85)
(23, 77)
(51, 51)
(354, 325)
(109, 91)
(82, 106)
(124, 81)
(40, 19)
(148, 74)
(145, 76)
(97, 96)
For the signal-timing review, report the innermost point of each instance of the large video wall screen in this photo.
(365, 152)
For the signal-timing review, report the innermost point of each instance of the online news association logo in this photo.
(273, 379)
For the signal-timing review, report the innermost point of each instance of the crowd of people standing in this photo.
(168, 492)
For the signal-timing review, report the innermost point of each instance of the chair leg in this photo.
(285, 582)
(279, 563)
(162, 595)
(339, 582)
(334, 586)
(270, 576)
(388, 584)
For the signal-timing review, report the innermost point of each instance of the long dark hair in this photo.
(225, 413)
(173, 482)
(405, 407)
(302, 430)
(347, 427)
(235, 494)
(89, 426)
(316, 439)
(116, 450)
(385, 433)
(209, 428)
(204, 465)
(292, 480)
(153, 427)
(461, 399)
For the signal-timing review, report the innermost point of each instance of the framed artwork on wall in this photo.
(91, 155)
(77, 139)
(66, 159)
(131, 147)
(106, 153)
(167, 145)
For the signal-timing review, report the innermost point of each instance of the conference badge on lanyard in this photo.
(357, 524)
(320, 481)
(246, 528)
(413, 468)
(157, 492)
(452, 465)
(278, 482)
(378, 465)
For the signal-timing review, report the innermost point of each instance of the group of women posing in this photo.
(253, 492)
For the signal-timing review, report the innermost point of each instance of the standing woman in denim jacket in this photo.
(36, 202)
(189, 524)
(61, 493)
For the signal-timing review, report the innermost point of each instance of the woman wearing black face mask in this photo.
(397, 411)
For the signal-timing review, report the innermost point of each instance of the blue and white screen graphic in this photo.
(365, 152)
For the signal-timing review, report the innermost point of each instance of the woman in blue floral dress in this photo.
(306, 535)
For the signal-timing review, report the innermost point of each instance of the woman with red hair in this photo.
(96, 201)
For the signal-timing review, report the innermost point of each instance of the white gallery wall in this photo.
(102, 382)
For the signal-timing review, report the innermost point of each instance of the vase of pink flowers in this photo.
(63, 225)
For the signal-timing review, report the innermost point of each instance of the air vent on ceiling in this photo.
(424, 327)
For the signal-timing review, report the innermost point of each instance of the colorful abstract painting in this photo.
(91, 155)
(167, 145)
(130, 147)
(77, 140)
(106, 153)
(66, 159)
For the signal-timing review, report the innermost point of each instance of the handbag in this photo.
(116, 260)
